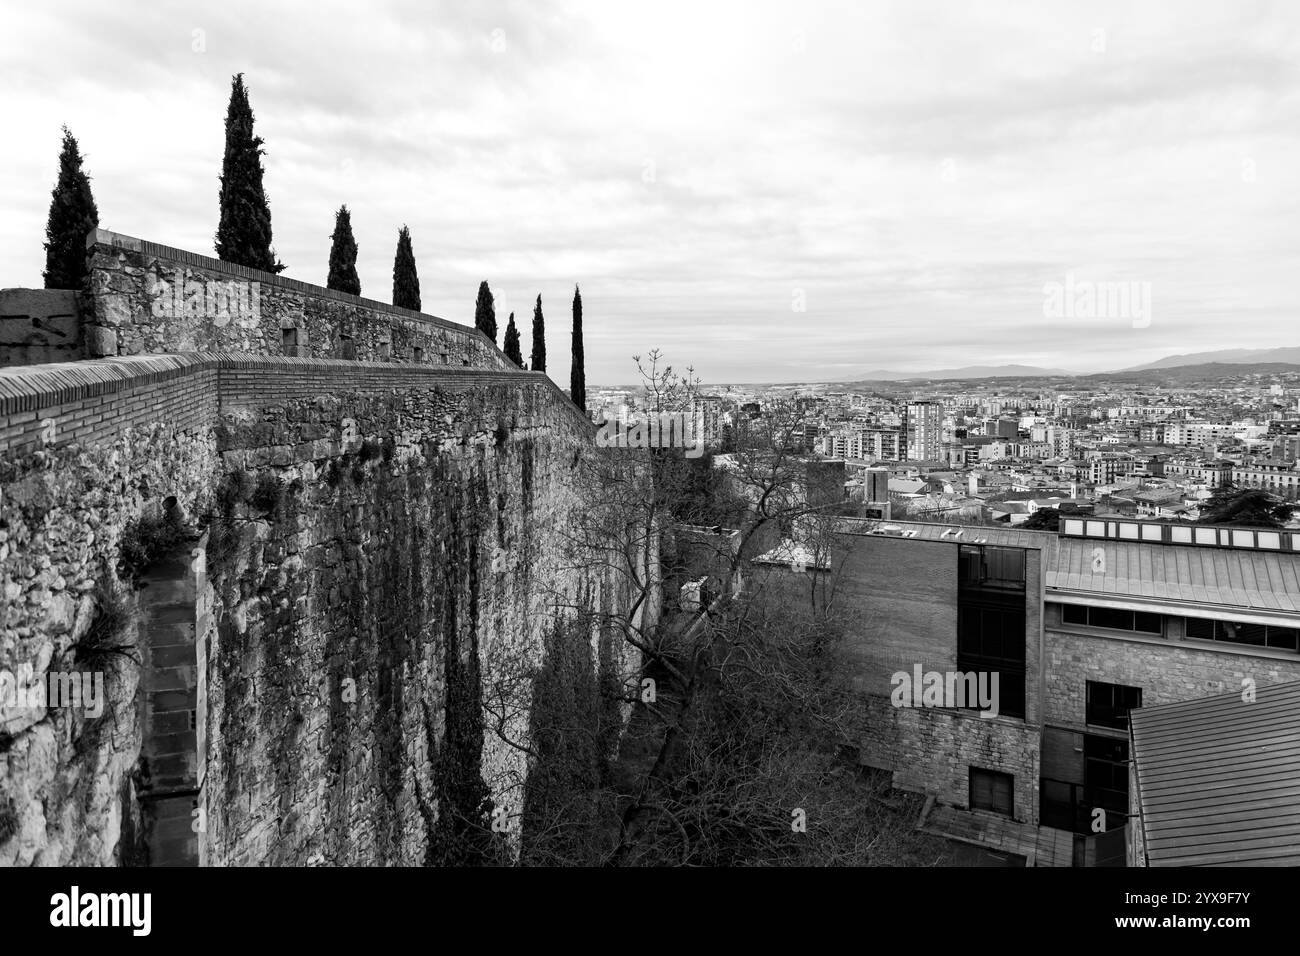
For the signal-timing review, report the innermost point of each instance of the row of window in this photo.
(1204, 629)
(1112, 618)
(1236, 632)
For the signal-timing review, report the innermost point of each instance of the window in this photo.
(1112, 619)
(347, 349)
(991, 790)
(985, 566)
(1239, 632)
(991, 639)
(289, 341)
(418, 355)
(1108, 704)
(1106, 776)
(385, 351)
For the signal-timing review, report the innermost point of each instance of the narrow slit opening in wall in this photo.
(444, 358)
(347, 349)
(289, 341)
(417, 354)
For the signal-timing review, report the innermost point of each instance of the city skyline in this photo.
(767, 192)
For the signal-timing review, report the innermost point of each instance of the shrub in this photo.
(102, 643)
(146, 539)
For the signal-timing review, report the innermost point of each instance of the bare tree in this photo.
(734, 707)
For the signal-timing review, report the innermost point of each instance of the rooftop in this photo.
(1218, 779)
(1200, 568)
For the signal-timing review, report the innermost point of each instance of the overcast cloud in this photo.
(912, 173)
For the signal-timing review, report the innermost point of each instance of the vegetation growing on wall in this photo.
(149, 537)
(463, 834)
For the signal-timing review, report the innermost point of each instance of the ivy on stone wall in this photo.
(463, 834)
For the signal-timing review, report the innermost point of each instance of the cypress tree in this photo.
(343, 255)
(511, 346)
(577, 371)
(72, 216)
(244, 232)
(485, 313)
(539, 338)
(406, 283)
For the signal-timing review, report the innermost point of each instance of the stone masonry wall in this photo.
(145, 298)
(1166, 670)
(351, 540)
(67, 793)
(39, 325)
(362, 537)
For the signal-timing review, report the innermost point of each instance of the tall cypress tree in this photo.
(343, 255)
(244, 232)
(577, 372)
(539, 338)
(485, 313)
(511, 346)
(406, 283)
(72, 215)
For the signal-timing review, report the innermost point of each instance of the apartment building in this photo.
(880, 444)
(1105, 467)
(1280, 477)
(924, 430)
(1080, 627)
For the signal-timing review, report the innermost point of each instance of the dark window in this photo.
(347, 349)
(418, 354)
(289, 341)
(985, 566)
(1113, 619)
(385, 350)
(1105, 775)
(991, 790)
(1108, 704)
(991, 640)
(1250, 635)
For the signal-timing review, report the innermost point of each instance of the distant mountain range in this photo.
(968, 371)
(1184, 376)
(1289, 355)
(1273, 358)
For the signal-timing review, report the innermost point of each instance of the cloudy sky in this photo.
(770, 191)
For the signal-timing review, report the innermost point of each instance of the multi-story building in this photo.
(881, 444)
(1279, 477)
(1080, 627)
(1104, 468)
(924, 430)
(1062, 441)
(708, 414)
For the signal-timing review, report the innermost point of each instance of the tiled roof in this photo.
(1255, 580)
(1218, 779)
